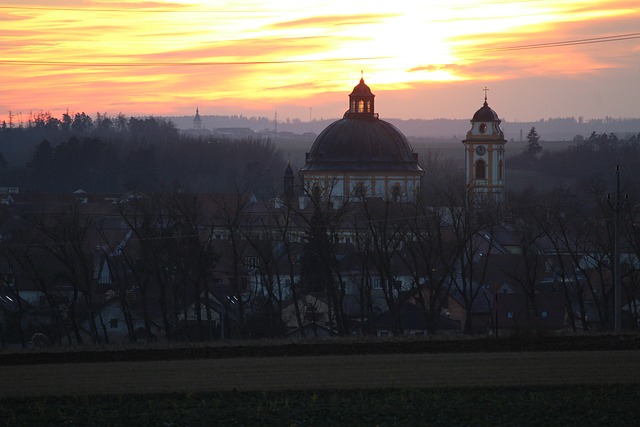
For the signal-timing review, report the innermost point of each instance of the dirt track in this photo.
(322, 372)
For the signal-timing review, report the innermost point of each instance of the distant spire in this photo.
(288, 181)
(197, 121)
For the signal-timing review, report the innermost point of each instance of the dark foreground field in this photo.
(592, 381)
(496, 406)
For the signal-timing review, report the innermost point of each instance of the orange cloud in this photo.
(332, 21)
(161, 57)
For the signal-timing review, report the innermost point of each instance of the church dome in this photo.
(485, 114)
(360, 141)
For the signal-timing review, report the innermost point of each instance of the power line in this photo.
(604, 39)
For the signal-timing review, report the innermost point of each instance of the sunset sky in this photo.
(422, 59)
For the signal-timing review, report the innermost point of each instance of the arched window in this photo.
(481, 169)
(360, 191)
(361, 106)
(316, 193)
(396, 193)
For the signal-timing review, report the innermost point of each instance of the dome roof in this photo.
(485, 114)
(361, 142)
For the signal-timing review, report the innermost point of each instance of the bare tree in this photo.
(145, 257)
(385, 229)
(189, 244)
(230, 219)
(289, 235)
(430, 254)
(64, 232)
(563, 217)
(320, 267)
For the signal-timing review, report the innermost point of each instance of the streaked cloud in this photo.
(162, 57)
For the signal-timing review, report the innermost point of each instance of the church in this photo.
(362, 156)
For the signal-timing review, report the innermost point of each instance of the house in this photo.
(480, 309)
(116, 326)
(315, 316)
(514, 316)
(219, 317)
(234, 133)
(413, 321)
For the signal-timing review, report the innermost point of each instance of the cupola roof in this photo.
(288, 171)
(485, 114)
(361, 89)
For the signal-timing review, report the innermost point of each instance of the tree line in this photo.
(114, 154)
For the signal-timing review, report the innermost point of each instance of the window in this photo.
(360, 190)
(510, 315)
(316, 193)
(396, 192)
(113, 323)
(251, 262)
(481, 169)
(500, 168)
(375, 283)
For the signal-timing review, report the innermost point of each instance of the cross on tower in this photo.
(486, 89)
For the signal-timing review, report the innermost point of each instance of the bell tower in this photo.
(484, 158)
(197, 121)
